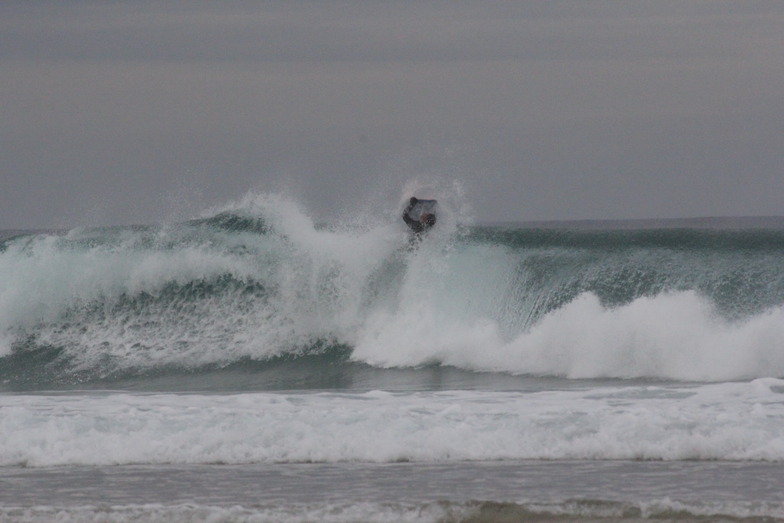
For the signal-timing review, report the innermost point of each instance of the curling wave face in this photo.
(260, 282)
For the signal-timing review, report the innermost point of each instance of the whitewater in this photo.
(252, 365)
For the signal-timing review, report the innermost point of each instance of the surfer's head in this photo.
(428, 220)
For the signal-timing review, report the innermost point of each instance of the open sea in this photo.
(252, 366)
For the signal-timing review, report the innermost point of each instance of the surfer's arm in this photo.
(406, 218)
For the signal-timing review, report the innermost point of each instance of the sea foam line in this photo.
(737, 421)
(432, 512)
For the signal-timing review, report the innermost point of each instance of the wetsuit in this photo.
(417, 226)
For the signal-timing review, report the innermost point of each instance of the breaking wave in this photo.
(259, 281)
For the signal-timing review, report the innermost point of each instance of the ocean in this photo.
(251, 365)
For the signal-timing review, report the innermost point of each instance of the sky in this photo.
(116, 112)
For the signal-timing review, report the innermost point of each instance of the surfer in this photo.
(426, 215)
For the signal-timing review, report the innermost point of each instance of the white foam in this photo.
(191, 513)
(737, 421)
(395, 512)
(673, 335)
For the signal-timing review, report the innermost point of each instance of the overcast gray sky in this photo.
(133, 111)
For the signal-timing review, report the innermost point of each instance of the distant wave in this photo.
(261, 281)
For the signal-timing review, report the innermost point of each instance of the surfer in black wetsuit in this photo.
(426, 220)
